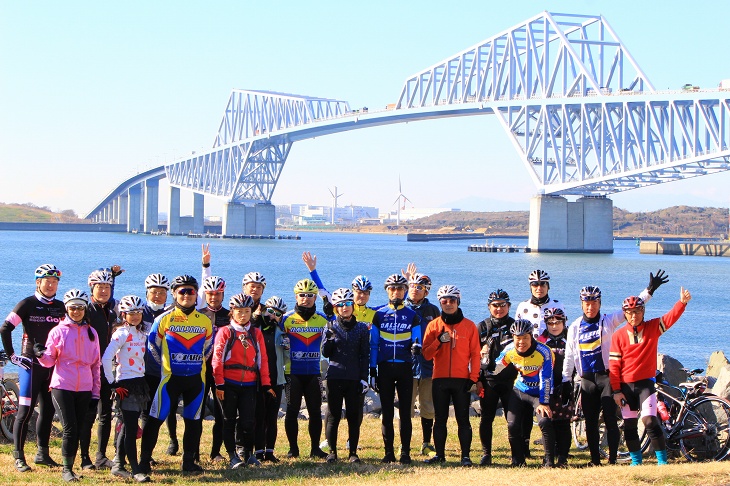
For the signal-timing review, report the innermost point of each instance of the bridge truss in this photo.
(581, 113)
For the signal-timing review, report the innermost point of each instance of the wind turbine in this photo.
(400, 197)
(334, 202)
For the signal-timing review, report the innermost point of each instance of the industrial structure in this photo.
(584, 118)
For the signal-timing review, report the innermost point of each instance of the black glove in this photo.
(566, 394)
(444, 337)
(416, 348)
(4, 356)
(656, 281)
(39, 349)
(21, 361)
(374, 379)
(328, 333)
(93, 404)
(468, 385)
(327, 307)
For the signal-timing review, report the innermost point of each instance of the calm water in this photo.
(701, 330)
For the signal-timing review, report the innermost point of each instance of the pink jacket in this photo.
(75, 357)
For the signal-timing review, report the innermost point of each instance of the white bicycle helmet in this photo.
(342, 295)
(156, 280)
(240, 300)
(130, 303)
(100, 277)
(75, 297)
(47, 270)
(277, 303)
(254, 277)
(451, 291)
(214, 284)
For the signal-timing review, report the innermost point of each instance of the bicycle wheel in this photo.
(9, 408)
(705, 434)
(578, 430)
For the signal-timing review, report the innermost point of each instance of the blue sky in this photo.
(93, 92)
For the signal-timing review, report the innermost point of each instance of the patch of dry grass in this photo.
(371, 471)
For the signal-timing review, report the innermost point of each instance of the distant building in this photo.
(307, 215)
(408, 214)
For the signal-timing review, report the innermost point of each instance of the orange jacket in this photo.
(458, 358)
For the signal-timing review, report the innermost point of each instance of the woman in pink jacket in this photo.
(73, 348)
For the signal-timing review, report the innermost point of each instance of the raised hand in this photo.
(656, 281)
(410, 271)
(684, 295)
(206, 253)
(309, 260)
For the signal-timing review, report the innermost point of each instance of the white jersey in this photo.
(533, 313)
(128, 345)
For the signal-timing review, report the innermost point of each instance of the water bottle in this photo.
(662, 411)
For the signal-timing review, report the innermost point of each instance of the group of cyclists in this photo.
(89, 353)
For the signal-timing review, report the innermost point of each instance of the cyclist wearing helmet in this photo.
(346, 344)
(240, 367)
(586, 352)
(452, 341)
(180, 341)
(392, 336)
(494, 336)
(210, 303)
(127, 349)
(267, 405)
(37, 314)
(303, 327)
(534, 363)
(633, 369)
(554, 338)
(103, 317)
(72, 350)
(532, 309)
(156, 287)
(419, 285)
(254, 285)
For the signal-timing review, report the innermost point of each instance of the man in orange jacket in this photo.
(452, 341)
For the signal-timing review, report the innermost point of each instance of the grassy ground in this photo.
(372, 471)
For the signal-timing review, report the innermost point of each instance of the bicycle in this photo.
(578, 431)
(695, 423)
(9, 394)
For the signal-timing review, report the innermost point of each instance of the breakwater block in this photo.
(690, 248)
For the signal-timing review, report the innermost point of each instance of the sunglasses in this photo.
(52, 273)
(447, 300)
(555, 322)
(499, 304)
(72, 308)
(538, 284)
(393, 288)
(306, 295)
(134, 312)
(418, 287)
(347, 303)
(187, 291)
(274, 312)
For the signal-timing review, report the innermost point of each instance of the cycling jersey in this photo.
(38, 316)
(557, 345)
(588, 344)
(458, 358)
(180, 343)
(535, 369)
(103, 318)
(533, 313)
(364, 314)
(127, 348)
(634, 349)
(152, 367)
(494, 334)
(305, 339)
(392, 334)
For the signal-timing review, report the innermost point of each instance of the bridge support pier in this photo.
(173, 211)
(560, 226)
(198, 211)
(151, 204)
(239, 219)
(133, 208)
(122, 202)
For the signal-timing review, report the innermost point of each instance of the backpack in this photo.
(229, 345)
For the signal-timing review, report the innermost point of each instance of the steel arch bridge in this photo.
(579, 110)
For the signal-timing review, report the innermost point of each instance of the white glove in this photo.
(21, 361)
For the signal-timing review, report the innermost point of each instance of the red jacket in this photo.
(456, 359)
(243, 362)
(633, 356)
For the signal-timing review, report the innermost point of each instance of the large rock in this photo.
(372, 403)
(722, 384)
(717, 362)
(671, 368)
